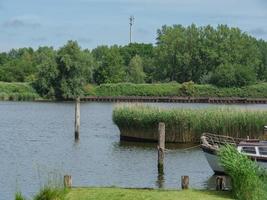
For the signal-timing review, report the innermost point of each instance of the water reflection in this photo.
(160, 180)
(210, 183)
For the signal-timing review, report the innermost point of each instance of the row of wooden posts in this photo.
(220, 181)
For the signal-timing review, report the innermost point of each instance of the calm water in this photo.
(37, 145)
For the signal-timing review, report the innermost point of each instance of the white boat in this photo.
(253, 148)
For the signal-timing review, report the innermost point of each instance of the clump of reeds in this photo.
(19, 196)
(234, 122)
(248, 179)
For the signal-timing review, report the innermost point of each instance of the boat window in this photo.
(263, 150)
(250, 150)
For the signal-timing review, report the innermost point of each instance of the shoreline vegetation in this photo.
(139, 122)
(114, 193)
(25, 91)
(142, 194)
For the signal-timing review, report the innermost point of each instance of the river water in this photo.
(37, 146)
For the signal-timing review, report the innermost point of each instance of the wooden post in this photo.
(161, 147)
(220, 183)
(67, 181)
(77, 119)
(265, 130)
(185, 182)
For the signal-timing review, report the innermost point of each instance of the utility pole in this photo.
(131, 24)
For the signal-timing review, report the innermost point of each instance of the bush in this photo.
(228, 75)
(247, 178)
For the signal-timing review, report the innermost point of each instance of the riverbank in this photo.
(144, 194)
(164, 92)
(137, 122)
(17, 92)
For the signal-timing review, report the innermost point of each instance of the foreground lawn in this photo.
(143, 194)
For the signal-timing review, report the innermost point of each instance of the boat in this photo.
(253, 148)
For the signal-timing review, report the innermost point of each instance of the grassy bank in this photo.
(176, 89)
(24, 91)
(141, 194)
(17, 92)
(187, 125)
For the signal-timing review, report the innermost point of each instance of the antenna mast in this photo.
(131, 24)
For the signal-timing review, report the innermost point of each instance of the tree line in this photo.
(222, 55)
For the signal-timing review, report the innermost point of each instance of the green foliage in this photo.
(17, 92)
(64, 74)
(50, 193)
(48, 72)
(247, 178)
(188, 53)
(176, 89)
(135, 72)
(224, 121)
(188, 89)
(144, 194)
(110, 65)
(71, 64)
(233, 75)
(19, 196)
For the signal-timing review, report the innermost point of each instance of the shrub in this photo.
(247, 178)
(50, 193)
(228, 75)
(18, 196)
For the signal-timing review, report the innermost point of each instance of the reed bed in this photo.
(187, 125)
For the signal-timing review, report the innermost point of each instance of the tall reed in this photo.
(248, 179)
(225, 121)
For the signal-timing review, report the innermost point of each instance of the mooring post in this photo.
(77, 118)
(161, 147)
(185, 182)
(220, 183)
(265, 132)
(67, 181)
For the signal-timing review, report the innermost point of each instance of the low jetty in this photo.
(140, 123)
(176, 99)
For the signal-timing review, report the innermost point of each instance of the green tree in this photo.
(46, 78)
(73, 66)
(135, 72)
(110, 65)
(228, 75)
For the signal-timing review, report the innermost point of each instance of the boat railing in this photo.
(214, 139)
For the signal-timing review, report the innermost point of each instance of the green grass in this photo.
(176, 89)
(190, 123)
(143, 194)
(17, 92)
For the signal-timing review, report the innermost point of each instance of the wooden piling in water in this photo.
(77, 119)
(185, 182)
(220, 183)
(67, 181)
(161, 147)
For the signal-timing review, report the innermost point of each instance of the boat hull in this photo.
(213, 160)
(214, 163)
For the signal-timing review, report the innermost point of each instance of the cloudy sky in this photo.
(34, 23)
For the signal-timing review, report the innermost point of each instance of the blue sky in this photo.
(34, 23)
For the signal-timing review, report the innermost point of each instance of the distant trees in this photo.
(221, 55)
(191, 53)
(135, 70)
(64, 74)
(110, 65)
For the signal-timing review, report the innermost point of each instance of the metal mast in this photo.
(131, 24)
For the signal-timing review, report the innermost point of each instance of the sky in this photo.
(34, 23)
